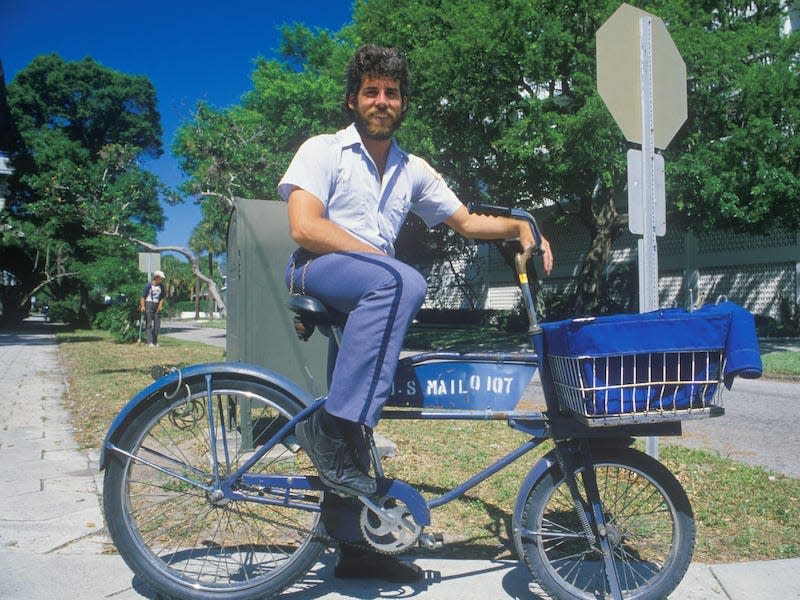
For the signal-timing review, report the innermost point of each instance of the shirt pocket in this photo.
(351, 206)
(394, 215)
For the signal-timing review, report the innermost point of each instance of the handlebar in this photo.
(521, 259)
(491, 210)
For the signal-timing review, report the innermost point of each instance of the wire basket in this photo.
(613, 389)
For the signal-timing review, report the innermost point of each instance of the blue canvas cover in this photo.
(623, 353)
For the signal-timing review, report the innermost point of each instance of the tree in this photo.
(82, 128)
(507, 103)
(209, 236)
(243, 151)
(180, 279)
(509, 109)
(736, 163)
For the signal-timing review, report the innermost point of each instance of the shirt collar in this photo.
(350, 137)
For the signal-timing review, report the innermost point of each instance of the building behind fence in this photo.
(760, 272)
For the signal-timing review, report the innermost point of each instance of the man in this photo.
(348, 194)
(150, 304)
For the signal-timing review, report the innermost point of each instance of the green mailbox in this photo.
(260, 327)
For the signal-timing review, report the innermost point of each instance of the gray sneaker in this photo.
(333, 459)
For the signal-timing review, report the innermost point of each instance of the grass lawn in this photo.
(742, 512)
(782, 364)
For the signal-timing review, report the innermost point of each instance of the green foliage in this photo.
(176, 308)
(181, 282)
(787, 323)
(735, 163)
(63, 311)
(121, 321)
(78, 187)
(785, 364)
(119, 315)
(789, 314)
(86, 103)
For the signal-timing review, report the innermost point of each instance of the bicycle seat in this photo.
(311, 313)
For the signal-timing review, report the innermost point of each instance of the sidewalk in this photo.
(53, 544)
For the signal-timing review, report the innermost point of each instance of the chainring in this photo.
(391, 531)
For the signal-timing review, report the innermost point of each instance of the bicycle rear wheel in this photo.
(185, 542)
(649, 521)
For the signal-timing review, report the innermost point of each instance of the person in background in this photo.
(348, 194)
(150, 305)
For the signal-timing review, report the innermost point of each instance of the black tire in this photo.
(171, 533)
(649, 519)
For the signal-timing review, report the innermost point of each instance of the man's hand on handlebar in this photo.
(547, 256)
(527, 230)
(528, 243)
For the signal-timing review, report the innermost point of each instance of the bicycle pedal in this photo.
(431, 541)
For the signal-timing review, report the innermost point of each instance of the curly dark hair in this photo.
(377, 61)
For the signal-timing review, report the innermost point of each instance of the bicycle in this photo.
(208, 493)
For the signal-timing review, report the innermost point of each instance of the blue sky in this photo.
(190, 49)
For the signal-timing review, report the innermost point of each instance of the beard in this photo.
(377, 129)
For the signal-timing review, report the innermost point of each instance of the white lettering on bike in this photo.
(475, 382)
(460, 387)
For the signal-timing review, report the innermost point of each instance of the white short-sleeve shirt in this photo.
(337, 169)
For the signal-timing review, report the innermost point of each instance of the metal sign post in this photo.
(648, 255)
(648, 246)
(642, 79)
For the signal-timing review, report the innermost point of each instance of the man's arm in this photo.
(485, 227)
(314, 232)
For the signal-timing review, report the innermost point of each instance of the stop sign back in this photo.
(619, 76)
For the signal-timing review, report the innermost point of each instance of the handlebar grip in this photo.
(503, 211)
(488, 209)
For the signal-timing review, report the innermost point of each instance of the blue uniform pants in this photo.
(379, 295)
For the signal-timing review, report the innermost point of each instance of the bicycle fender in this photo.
(169, 383)
(534, 475)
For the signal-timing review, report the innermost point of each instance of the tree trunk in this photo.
(196, 298)
(605, 226)
(210, 274)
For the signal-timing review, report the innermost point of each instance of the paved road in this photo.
(194, 332)
(761, 426)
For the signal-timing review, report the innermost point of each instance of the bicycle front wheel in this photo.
(184, 539)
(648, 518)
